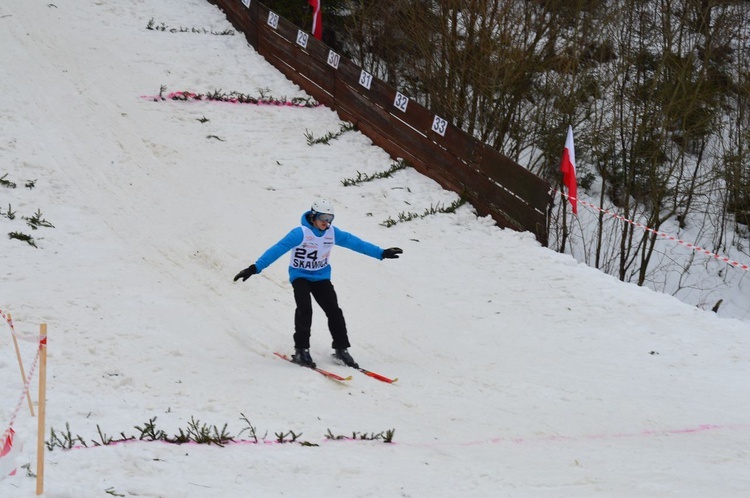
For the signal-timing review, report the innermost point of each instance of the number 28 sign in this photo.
(273, 19)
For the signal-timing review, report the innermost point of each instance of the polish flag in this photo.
(568, 168)
(317, 25)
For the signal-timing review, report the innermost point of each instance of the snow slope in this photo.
(522, 373)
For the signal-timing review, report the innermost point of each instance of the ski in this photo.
(381, 378)
(324, 373)
(369, 373)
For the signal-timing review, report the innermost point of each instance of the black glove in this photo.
(246, 273)
(391, 253)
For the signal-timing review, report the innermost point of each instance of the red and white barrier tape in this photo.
(41, 342)
(9, 320)
(229, 99)
(7, 468)
(664, 235)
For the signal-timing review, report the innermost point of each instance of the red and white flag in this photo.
(568, 168)
(317, 23)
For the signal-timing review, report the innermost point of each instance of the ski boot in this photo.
(344, 356)
(302, 358)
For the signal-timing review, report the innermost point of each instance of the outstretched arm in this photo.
(346, 239)
(290, 240)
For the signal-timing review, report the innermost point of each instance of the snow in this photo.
(521, 372)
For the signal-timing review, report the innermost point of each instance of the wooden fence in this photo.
(491, 182)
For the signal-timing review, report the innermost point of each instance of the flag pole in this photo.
(42, 408)
(20, 365)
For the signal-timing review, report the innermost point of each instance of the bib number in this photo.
(301, 253)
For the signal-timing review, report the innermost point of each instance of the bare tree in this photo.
(658, 92)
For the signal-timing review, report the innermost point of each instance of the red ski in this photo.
(322, 372)
(374, 375)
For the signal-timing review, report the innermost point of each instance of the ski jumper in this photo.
(310, 275)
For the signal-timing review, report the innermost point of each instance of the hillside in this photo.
(521, 372)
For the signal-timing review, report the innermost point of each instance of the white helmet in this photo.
(322, 206)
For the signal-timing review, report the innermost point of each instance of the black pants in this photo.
(325, 296)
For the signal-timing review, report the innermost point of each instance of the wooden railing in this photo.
(491, 182)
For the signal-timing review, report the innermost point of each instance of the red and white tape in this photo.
(8, 452)
(187, 96)
(664, 235)
(9, 320)
(7, 436)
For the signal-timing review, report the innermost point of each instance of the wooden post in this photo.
(42, 408)
(20, 365)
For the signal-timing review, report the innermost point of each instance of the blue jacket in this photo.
(294, 238)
